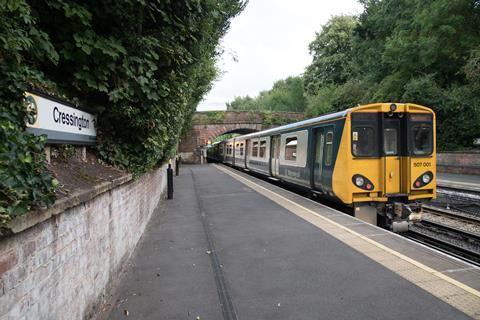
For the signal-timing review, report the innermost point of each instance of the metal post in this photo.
(177, 165)
(169, 181)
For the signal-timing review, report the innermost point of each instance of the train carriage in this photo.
(378, 159)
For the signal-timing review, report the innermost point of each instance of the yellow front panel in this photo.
(419, 166)
(392, 175)
(341, 184)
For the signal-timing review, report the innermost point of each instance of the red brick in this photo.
(7, 262)
(200, 132)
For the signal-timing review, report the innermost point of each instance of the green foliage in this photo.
(24, 181)
(210, 117)
(225, 136)
(332, 54)
(141, 66)
(403, 51)
(286, 95)
(330, 98)
(457, 108)
(275, 119)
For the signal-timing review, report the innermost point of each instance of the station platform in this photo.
(459, 181)
(231, 246)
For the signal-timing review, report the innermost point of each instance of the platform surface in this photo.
(230, 246)
(459, 181)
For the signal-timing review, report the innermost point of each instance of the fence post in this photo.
(177, 165)
(169, 181)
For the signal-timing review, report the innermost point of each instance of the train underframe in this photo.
(396, 215)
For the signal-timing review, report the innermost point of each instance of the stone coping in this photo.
(74, 199)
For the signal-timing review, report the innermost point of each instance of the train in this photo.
(376, 160)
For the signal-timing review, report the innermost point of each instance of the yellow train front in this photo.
(377, 159)
(388, 154)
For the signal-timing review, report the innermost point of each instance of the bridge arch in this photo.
(206, 126)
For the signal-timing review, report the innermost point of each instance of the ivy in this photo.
(140, 66)
(208, 117)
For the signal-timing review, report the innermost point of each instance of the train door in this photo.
(247, 153)
(391, 151)
(319, 137)
(275, 155)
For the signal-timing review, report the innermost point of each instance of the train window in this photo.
(363, 141)
(390, 141)
(291, 149)
(263, 149)
(255, 149)
(221, 150)
(329, 148)
(241, 149)
(319, 148)
(420, 117)
(422, 139)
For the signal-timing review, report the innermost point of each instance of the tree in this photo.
(285, 95)
(332, 54)
(404, 51)
(140, 66)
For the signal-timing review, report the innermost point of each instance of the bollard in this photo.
(177, 165)
(169, 182)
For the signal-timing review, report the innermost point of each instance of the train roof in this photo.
(322, 118)
(326, 117)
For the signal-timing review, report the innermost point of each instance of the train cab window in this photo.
(390, 141)
(421, 133)
(363, 142)
(255, 149)
(263, 149)
(329, 148)
(241, 149)
(422, 139)
(291, 149)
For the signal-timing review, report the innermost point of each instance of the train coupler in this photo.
(403, 215)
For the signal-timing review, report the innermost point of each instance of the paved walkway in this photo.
(220, 250)
(459, 177)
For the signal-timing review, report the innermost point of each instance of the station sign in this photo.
(59, 121)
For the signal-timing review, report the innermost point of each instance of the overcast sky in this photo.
(267, 42)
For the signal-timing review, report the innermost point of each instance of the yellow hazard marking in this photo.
(449, 294)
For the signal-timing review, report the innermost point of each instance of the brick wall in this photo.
(205, 129)
(459, 162)
(62, 267)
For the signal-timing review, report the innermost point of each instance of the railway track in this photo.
(467, 201)
(459, 243)
(465, 217)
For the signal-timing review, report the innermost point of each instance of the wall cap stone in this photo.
(74, 199)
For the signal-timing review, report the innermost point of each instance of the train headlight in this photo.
(423, 180)
(426, 178)
(362, 182)
(359, 181)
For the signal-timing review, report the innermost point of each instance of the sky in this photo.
(267, 42)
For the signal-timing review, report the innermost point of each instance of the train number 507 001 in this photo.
(422, 164)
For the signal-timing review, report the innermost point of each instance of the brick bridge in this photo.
(206, 126)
